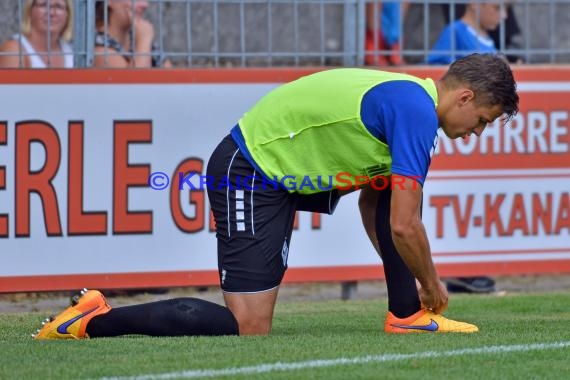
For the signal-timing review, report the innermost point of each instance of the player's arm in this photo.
(410, 239)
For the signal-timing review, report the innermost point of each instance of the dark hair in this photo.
(489, 77)
(100, 13)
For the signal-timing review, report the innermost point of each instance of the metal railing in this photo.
(543, 35)
(256, 33)
(241, 33)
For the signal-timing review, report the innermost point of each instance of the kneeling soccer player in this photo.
(349, 120)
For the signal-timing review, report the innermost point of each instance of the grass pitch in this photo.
(522, 336)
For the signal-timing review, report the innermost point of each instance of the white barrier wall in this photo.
(76, 208)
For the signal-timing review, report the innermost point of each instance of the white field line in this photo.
(274, 367)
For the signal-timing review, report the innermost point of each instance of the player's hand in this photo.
(434, 298)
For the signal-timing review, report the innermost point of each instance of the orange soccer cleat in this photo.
(425, 321)
(72, 322)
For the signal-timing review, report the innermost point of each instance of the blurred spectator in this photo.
(124, 37)
(383, 25)
(512, 35)
(469, 34)
(512, 32)
(44, 37)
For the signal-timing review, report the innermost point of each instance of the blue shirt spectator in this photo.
(467, 41)
(468, 35)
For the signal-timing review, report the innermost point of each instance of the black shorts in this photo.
(253, 222)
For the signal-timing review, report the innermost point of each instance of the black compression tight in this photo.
(403, 299)
(174, 317)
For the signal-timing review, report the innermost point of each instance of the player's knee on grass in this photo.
(253, 312)
(252, 320)
(253, 325)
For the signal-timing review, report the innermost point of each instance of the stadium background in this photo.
(300, 32)
(220, 39)
(523, 326)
